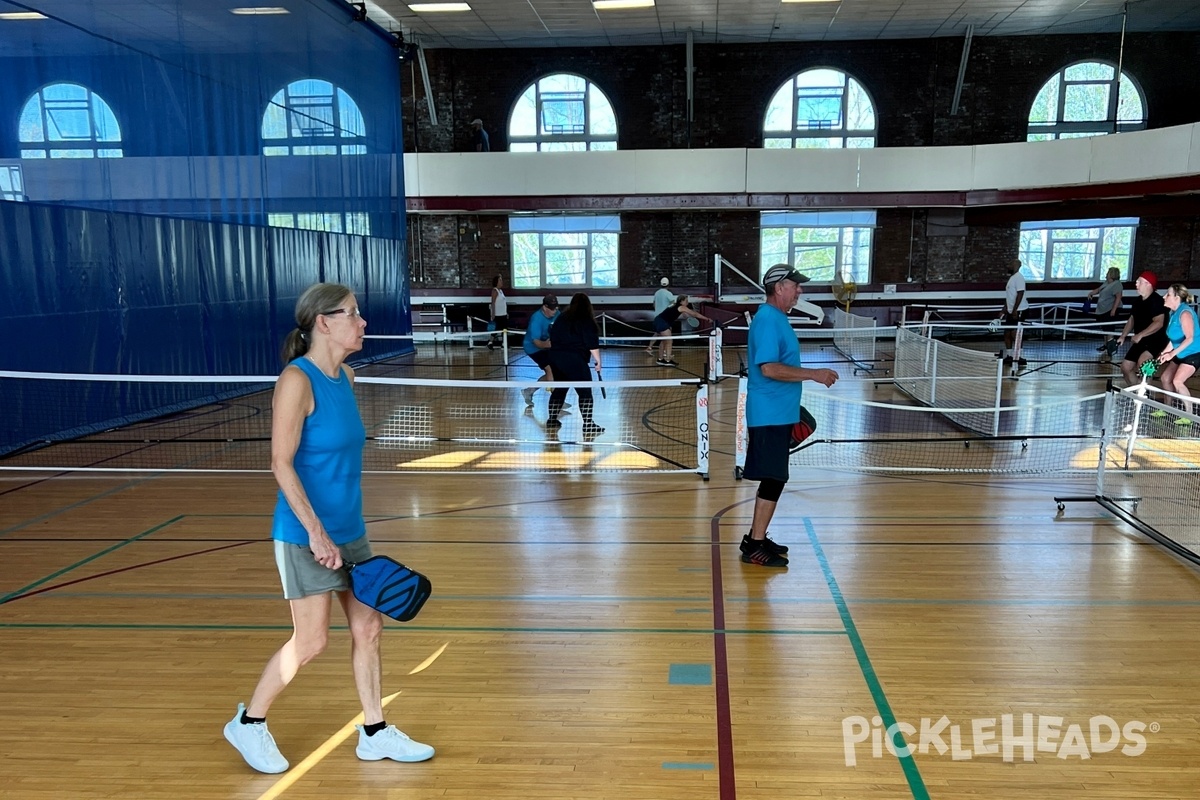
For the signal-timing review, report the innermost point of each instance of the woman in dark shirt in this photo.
(574, 338)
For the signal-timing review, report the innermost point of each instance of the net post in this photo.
(996, 405)
(702, 431)
(1017, 344)
(604, 326)
(932, 354)
(715, 368)
(1105, 433)
(740, 434)
(504, 346)
(470, 329)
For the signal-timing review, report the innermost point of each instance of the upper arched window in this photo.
(313, 118)
(820, 108)
(562, 112)
(1086, 99)
(66, 120)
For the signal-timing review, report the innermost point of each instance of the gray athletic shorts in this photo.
(302, 576)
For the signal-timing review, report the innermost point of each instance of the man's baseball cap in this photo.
(780, 272)
(476, 121)
(550, 301)
(663, 282)
(1150, 278)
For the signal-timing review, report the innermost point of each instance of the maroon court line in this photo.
(126, 569)
(725, 775)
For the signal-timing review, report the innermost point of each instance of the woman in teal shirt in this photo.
(317, 439)
(1182, 355)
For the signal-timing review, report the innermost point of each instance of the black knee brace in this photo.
(770, 489)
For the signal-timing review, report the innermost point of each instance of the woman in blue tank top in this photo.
(1182, 355)
(317, 439)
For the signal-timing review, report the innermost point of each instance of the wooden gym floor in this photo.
(598, 637)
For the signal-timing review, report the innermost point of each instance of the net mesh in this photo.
(224, 423)
(1151, 469)
(948, 377)
(881, 437)
(854, 336)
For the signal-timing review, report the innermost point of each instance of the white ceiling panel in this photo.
(522, 23)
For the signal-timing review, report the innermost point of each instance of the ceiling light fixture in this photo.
(611, 5)
(432, 7)
(258, 11)
(22, 15)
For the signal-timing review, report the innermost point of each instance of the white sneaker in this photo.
(255, 743)
(528, 393)
(566, 409)
(390, 743)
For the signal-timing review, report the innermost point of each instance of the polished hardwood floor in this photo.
(598, 637)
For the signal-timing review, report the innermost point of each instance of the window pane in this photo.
(774, 248)
(563, 147)
(860, 141)
(602, 146)
(778, 144)
(523, 122)
(1086, 102)
(1045, 105)
(811, 235)
(819, 110)
(523, 147)
(526, 257)
(816, 261)
(779, 111)
(1089, 71)
(281, 220)
(1129, 105)
(860, 110)
(566, 266)
(1034, 244)
(564, 239)
(602, 121)
(1072, 259)
(814, 143)
(30, 126)
(350, 119)
(562, 114)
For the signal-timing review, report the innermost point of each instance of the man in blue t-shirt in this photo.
(537, 341)
(773, 407)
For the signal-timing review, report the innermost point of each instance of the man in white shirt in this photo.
(1015, 306)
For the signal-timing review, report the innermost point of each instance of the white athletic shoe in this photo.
(390, 743)
(528, 394)
(256, 744)
(566, 409)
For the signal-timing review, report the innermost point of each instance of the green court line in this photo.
(166, 626)
(907, 764)
(89, 559)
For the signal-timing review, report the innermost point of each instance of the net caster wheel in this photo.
(1024, 444)
(704, 476)
(737, 473)
(1061, 508)
(967, 445)
(1135, 505)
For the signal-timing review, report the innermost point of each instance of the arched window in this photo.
(1084, 99)
(820, 108)
(66, 120)
(313, 118)
(562, 112)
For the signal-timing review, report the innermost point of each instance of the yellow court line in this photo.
(300, 770)
(327, 747)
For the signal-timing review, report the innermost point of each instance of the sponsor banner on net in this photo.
(1009, 737)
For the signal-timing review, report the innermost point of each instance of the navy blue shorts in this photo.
(541, 358)
(767, 453)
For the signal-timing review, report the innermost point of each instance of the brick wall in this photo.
(911, 83)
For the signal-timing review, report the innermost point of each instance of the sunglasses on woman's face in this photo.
(352, 313)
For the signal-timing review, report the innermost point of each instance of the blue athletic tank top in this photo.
(328, 461)
(1176, 335)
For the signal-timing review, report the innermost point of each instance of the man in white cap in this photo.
(773, 406)
(479, 137)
